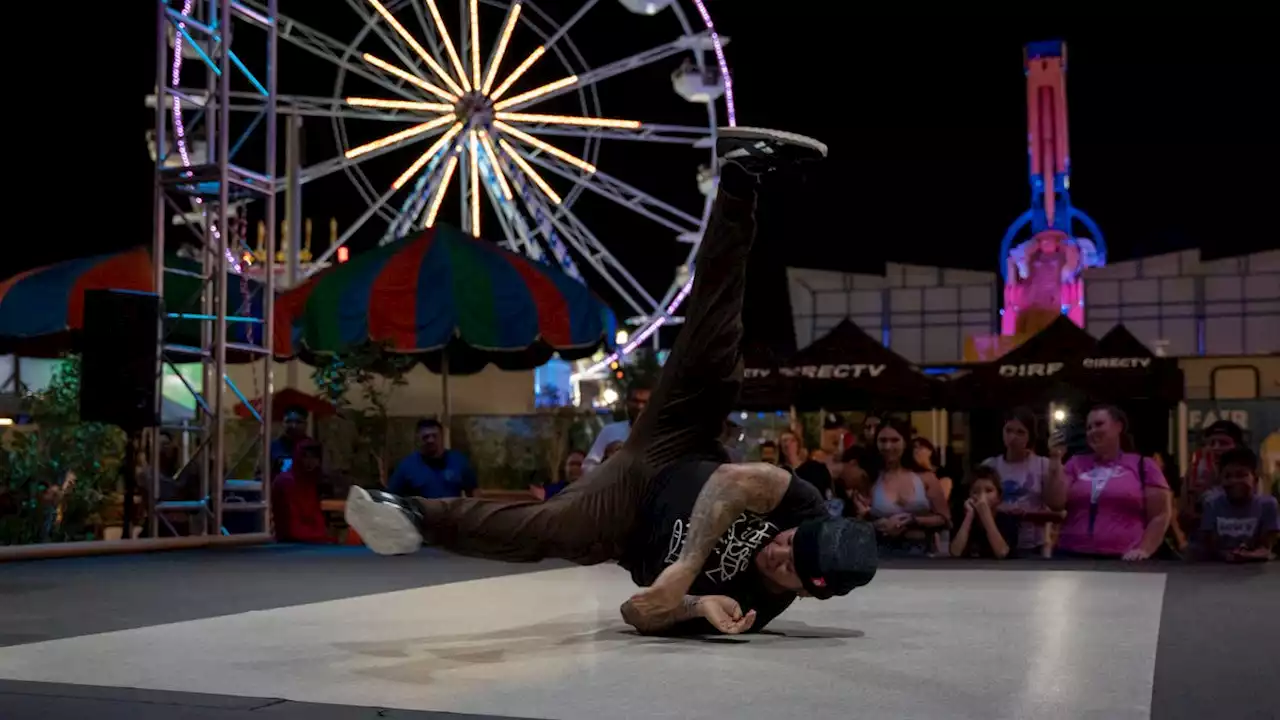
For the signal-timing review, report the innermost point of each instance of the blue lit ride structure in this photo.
(1042, 255)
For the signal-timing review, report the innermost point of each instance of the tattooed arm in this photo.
(720, 612)
(634, 614)
(731, 490)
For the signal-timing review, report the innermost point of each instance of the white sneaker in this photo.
(386, 523)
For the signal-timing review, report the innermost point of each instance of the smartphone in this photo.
(1074, 436)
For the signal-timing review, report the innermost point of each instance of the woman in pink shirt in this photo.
(1117, 502)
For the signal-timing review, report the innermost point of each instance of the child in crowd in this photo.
(985, 532)
(1238, 524)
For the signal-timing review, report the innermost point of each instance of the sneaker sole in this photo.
(383, 528)
(755, 133)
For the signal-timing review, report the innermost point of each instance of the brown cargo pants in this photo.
(589, 521)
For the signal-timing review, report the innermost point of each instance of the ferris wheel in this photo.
(434, 104)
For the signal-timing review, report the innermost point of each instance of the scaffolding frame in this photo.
(209, 190)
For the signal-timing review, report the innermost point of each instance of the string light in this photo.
(409, 77)
(448, 44)
(422, 160)
(545, 147)
(399, 104)
(568, 120)
(444, 185)
(498, 171)
(475, 42)
(528, 170)
(502, 49)
(520, 70)
(402, 135)
(413, 43)
(475, 184)
(536, 92)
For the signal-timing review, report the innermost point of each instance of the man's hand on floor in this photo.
(659, 600)
(725, 614)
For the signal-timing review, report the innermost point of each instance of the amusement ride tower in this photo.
(1042, 272)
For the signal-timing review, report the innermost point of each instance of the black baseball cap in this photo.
(834, 555)
(832, 421)
(1228, 428)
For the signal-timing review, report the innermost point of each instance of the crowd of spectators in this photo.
(1101, 500)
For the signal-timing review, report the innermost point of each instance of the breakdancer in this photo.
(714, 545)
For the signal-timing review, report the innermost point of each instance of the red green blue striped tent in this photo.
(445, 291)
(40, 308)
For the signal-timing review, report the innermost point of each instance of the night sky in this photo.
(1173, 132)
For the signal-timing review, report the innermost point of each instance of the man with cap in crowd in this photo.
(715, 545)
(1201, 481)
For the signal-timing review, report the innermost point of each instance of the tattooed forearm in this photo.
(688, 609)
(730, 491)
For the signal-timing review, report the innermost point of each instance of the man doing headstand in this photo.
(709, 541)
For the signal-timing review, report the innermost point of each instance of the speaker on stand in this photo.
(119, 372)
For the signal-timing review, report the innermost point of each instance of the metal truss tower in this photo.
(203, 185)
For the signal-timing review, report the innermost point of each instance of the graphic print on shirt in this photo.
(1015, 490)
(733, 551)
(1243, 528)
(1098, 478)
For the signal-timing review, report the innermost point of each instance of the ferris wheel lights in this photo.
(474, 157)
(505, 38)
(475, 42)
(536, 92)
(546, 147)
(448, 45)
(402, 135)
(520, 70)
(399, 104)
(413, 43)
(425, 158)
(568, 120)
(528, 170)
(498, 172)
(440, 190)
(409, 78)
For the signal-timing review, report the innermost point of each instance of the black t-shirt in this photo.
(980, 545)
(729, 570)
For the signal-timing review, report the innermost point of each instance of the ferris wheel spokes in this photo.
(409, 40)
(588, 246)
(604, 72)
(625, 195)
(672, 134)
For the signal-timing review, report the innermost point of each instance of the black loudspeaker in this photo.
(119, 362)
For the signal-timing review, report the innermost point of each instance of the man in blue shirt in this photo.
(433, 471)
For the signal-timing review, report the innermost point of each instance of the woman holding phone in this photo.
(1117, 501)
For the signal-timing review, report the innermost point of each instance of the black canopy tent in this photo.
(1065, 366)
(764, 386)
(1123, 367)
(844, 369)
(1040, 370)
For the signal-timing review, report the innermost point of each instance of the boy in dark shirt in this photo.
(717, 544)
(985, 532)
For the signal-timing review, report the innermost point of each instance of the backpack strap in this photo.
(1142, 481)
